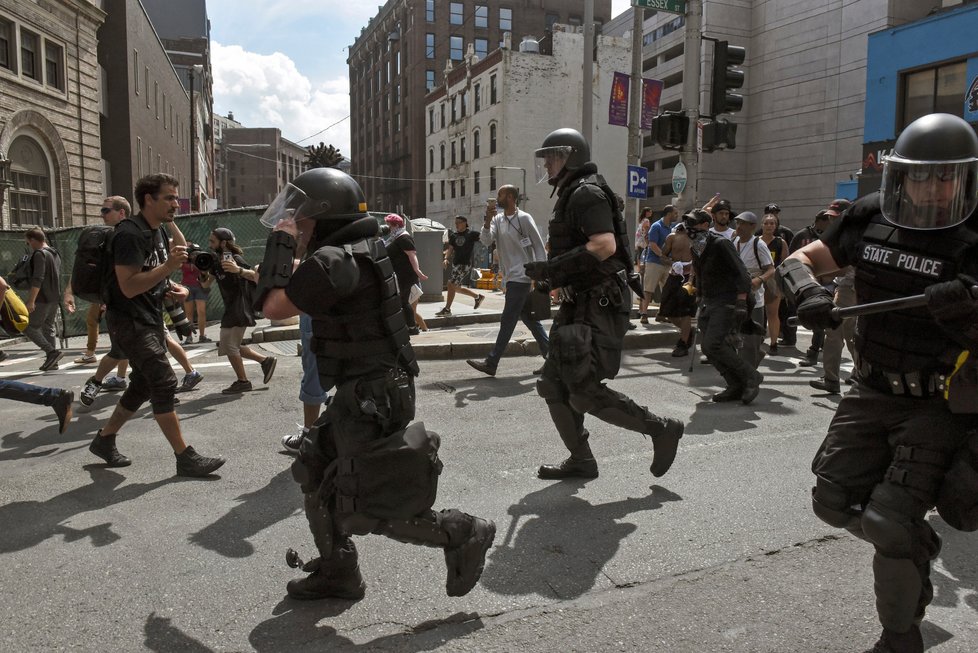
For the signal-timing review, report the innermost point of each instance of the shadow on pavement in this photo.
(546, 554)
(956, 581)
(28, 523)
(485, 388)
(164, 637)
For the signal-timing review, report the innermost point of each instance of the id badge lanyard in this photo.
(524, 238)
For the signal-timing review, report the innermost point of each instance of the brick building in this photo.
(50, 168)
(404, 52)
(258, 163)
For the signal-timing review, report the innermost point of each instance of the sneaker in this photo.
(103, 446)
(291, 442)
(732, 393)
(680, 350)
(190, 381)
(86, 360)
(268, 368)
(62, 408)
(191, 463)
(189, 340)
(478, 301)
(445, 312)
(204, 339)
(832, 387)
(112, 383)
(237, 387)
(752, 388)
(466, 561)
(51, 360)
(90, 391)
(483, 366)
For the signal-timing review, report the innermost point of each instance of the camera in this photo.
(178, 317)
(203, 259)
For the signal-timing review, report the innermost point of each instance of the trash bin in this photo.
(429, 244)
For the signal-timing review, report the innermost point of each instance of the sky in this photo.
(282, 63)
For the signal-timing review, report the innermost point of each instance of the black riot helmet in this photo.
(930, 181)
(697, 220)
(321, 194)
(562, 149)
(772, 208)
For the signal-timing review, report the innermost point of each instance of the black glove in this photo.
(740, 312)
(815, 311)
(537, 270)
(542, 286)
(952, 301)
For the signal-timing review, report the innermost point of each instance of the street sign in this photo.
(679, 178)
(638, 182)
(669, 6)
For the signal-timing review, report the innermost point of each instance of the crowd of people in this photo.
(899, 444)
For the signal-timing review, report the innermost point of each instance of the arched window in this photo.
(476, 138)
(442, 156)
(431, 160)
(492, 138)
(30, 196)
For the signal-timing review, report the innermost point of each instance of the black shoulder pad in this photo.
(323, 279)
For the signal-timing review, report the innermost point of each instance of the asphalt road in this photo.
(721, 554)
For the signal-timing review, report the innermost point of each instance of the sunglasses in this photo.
(106, 210)
(924, 175)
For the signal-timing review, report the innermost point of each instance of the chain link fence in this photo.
(249, 234)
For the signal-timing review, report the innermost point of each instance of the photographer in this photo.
(235, 278)
(134, 314)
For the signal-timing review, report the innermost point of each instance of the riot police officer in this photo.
(589, 261)
(894, 436)
(362, 468)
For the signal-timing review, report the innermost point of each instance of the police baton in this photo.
(913, 301)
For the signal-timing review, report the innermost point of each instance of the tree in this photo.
(322, 156)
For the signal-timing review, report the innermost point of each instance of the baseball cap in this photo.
(223, 233)
(746, 216)
(838, 207)
(772, 208)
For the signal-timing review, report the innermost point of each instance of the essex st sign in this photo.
(670, 6)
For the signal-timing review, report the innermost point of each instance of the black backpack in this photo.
(92, 263)
(20, 276)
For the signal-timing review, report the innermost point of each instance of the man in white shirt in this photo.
(721, 211)
(517, 242)
(757, 259)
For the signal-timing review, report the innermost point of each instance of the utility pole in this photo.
(635, 96)
(587, 111)
(689, 156)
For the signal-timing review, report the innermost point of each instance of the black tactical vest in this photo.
(892, 263)
(364, 335)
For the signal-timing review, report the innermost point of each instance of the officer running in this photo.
(362, 469)
(894, 436)
(589, 261)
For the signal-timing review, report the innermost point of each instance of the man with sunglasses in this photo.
(897, 441)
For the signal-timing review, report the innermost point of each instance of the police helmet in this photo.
(930, 181)
(772, 208)
(722, 205)
(563, 149)
(321, 194)
(697, 220)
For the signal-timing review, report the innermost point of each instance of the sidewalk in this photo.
(471, 334)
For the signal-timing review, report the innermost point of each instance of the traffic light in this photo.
(726, 77)
(719, 135)
(669, 130)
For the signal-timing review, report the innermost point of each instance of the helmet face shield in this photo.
(290, 204)
(550, 161)
(928, 194)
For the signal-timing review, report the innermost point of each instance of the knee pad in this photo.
(550, 390)
(833, 504)
(892, 535)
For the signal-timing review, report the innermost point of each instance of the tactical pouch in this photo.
(957, 501)
(961, 386)
(396, 477)
(571, 348)
(310, 465)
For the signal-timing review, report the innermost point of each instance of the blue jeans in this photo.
(310, 390)
(516, 293)
(31, 394)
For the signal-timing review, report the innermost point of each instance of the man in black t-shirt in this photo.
(142, 265)
(459, 256)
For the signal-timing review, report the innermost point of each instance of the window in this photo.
(30, 195)
(442, 115)
(429, 11)
(456, 45)
(454, 109)
(431, 192)
(453, 188)
(30, 46)
(429, 46)
(156, 93)
(54, 65)
(7, 58)
(397, 122)
(431, 121)
(492, 138)
(396, 66)
(481, 48)
(454, 158)
(461, 187)
(464, 102)
(461, 150)
(475, 143)
(431, 160)
(492, 89)
(139, 157)
(397, 93)
(477, 92)
(455, 13)
(551, 19)
(429, 80)
(146, 83)
(475, 182)
(505, 19)
(492, 178)
(442, 189)
(442, 148)
(481, 16)
(939, 89)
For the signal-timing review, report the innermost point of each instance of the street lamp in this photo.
(6, 181)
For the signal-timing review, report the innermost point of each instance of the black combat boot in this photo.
(665, 443)
(891, 642)
(466, 559)
(103, 446)
(580, 464)
(733, 393)
(338, 577)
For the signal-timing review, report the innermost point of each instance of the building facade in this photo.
(145, 117)
(405, 51)
(220, 164)
(258, 162)
(50, 167)
(484, 123)
(800, 133)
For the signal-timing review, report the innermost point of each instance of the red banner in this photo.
(618, 103)
(651, 93)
